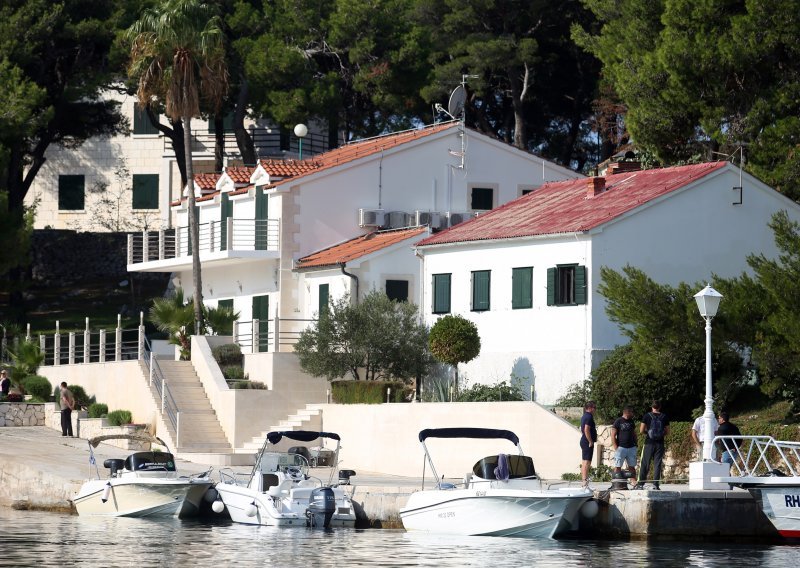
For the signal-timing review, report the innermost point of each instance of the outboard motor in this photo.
(321, 506)
(114, 465)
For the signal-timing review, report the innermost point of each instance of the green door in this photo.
(261, 313)
(225, 212)
(262, 211)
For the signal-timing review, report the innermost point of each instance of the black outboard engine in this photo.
(321, 506)
(114, 465)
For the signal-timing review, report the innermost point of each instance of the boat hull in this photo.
(141, 498)
(288, 511)
(781, 505)
(493, 512)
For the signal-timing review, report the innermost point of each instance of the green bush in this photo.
(37, 386)
(228, 354)
(98, 410)
(490, 393)
(233, 373)
(367, 392)
(81, 398)
(255, 385)
(120, 417)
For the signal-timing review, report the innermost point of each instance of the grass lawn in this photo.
(100, 301)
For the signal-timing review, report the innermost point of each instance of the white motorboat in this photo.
(770, 470)
(280, 490)
(502, 496)
(145, 484)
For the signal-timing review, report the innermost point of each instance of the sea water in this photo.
(30, 538)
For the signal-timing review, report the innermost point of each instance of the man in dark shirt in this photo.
(727, 428)
(655, 427)
(5, 382)
(588, 438)
(623, 436)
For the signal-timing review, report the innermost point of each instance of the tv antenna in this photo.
(740, 150)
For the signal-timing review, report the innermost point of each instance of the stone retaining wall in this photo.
(22, 414)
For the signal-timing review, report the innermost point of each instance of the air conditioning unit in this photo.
(398, 219)
(456, 218)
(431, 218)
(371, 217)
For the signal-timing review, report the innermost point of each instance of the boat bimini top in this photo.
(480, 433)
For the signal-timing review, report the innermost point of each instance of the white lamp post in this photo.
(300, 130)
(708, 302)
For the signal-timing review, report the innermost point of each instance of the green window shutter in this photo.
(551, 286)
(225, 304)
(397, 290)
(145, 191)
(71, 193)
(141, 122)
(188, 229)
(521, 288)
(261, 313)
(480, 290)
(225, 212)
(324, 298)
(227, 123)
(580, 285)
(262, 212)
(441, 293)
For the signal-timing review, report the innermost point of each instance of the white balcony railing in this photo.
(216, 236)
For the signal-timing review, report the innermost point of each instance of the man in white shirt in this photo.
(698, 431)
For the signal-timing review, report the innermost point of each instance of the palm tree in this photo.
(178, 57)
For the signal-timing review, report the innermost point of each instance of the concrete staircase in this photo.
(308, 418)
(200, 430)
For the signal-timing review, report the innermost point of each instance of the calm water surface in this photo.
(47, 539)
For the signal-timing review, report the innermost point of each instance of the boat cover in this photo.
(300, 436)
(137, 436)
(482, 433)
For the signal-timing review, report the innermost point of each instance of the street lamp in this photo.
(708, 302)
(300, 131)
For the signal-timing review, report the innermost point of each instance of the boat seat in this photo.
(268, 480)
(280, 490)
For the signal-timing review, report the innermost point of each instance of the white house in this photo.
(527, 273)
(136, 174)
(267, 233)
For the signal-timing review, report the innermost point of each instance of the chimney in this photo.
(595, 186)
(626, 166)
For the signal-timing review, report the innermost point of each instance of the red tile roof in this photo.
(239, 174)
(206, 181)
(288, 168)
(358, 247)
(572, 205)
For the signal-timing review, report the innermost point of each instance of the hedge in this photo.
(367, 392)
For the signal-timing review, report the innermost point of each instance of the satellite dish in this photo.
(457, 99)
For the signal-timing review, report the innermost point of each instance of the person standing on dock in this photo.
(727, 428)
(655, 427)
(67, 406)
(588, 438)
(623, 437)
(698, 435)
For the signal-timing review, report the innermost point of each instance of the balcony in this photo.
(267, 143)
(231, 242)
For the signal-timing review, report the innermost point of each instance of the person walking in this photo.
(727, 428)
(67, 406)
(623, 437)
(698, 435)
(588, 438)
(655, 427)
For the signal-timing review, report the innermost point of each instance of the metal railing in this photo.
(760, 456)
(169, 408)
(261, 336)
(215, 236)
(88, 346)
(267, 143)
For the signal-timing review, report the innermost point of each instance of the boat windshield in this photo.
(150, 461)
(518, 466)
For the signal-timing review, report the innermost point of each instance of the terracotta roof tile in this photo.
(240, 174)
(288, 168)
(566, 206)
(358, 247)
(206, 182)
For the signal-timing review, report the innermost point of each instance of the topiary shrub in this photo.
(82, 400)
(37, 386)
(98, 410)
(120, 417)
(228, 354)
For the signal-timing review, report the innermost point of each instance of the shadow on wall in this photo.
(522, 371)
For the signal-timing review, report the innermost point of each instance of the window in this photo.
(71, 193)
(225, 213)
(521, 288)
(141, 122)
(145, 191)
(566, 285)
(480, 290)
(225, 304)
(482, 198)
(227, 123)
(261, 313)
(441, 293)
(261, 221)
(324, 298)
(397, 290)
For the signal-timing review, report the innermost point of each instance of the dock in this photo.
(40, 469)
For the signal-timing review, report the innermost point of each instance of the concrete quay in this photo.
(39, 469)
